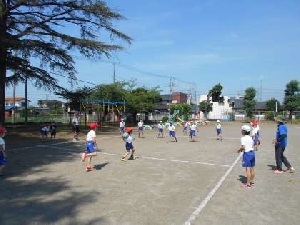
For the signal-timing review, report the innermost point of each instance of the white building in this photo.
(220, 111)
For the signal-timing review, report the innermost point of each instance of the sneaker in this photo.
(290, 170)
(252, 184)
(83, 157)
(123, 158)
(278, 171)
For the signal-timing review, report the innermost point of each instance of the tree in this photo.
(216, 93)
(185, 110)
(273, 104)
(35, 43)
(142, 100)
(205, 107)
(76, 97)
(292, 97)
(249, 101)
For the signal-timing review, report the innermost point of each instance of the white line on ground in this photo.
(211, 193)
(112, 154)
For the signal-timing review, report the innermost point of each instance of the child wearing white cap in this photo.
(248, 155)
(219, 130)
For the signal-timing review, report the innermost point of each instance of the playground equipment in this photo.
(103, 110)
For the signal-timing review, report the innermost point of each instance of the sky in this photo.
(194, 45)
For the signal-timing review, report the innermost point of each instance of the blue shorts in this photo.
(248, 159)
(128, 146)
(172, 133)
(219, 131)
(3, 160)
(141, 129)
(192, 133)
(184, 128)
(160, 130)
(255, 139)
(90, 147)
(122, 129)
(43, 132)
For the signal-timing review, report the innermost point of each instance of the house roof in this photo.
(17, 99)
(238, 104)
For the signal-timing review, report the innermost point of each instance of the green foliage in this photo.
(205, 107)
(137, 100)
(249, 101)
(271, 105)
(142, 100)
(32, 29)
(185, 110)
(75, 97)
(292, 97)
(165, 119)
(216, 93)
(270, 115)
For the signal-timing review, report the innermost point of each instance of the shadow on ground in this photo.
(29, 198)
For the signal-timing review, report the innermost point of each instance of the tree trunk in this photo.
(3, 55)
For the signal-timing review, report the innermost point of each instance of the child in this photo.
(219, 130)
(91, 146)
(44, 131)
(193, 129)
(255, 134)
(185, 128)
(172, 133)
(141, 128)
(3, 156)
(53, 130)
(130, 150)
(122, 127)
(75, 127)
(160, 130)
(248, 156)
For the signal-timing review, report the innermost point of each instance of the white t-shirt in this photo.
(171, 128)
(140, 124)
(129, 139)
(219, 126)
(254, 131)
(247, 142)
(75, 120)
(91, 135)
(122, 124)
(2, 143)
(193, 127)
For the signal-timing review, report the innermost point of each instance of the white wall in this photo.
(219, 110)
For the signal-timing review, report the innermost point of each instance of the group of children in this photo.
(48, 128)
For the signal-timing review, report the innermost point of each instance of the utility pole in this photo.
(114, 75)
(170, 99)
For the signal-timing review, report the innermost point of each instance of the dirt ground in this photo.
(169, 183)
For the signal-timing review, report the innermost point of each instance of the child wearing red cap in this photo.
(3, 160)
(255, 134)
(91, 146)
(130, 150)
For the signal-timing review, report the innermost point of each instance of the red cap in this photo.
(254, 122)
(2, 131)
(128, 130)
(93, 125)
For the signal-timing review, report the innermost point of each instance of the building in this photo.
(17, 102)
(220, 110)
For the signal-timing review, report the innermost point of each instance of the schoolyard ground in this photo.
(169, 183)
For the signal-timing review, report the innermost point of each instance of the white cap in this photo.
(246, 128)
(218, 121)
